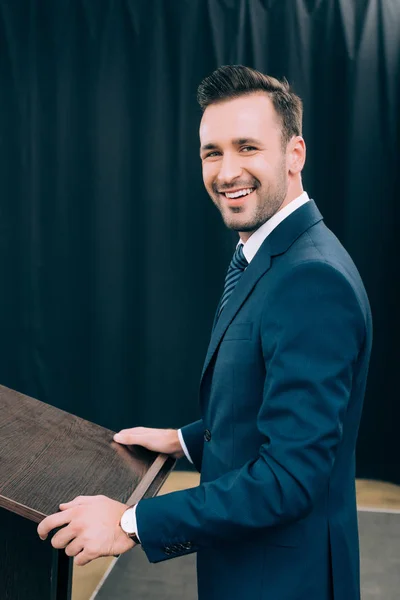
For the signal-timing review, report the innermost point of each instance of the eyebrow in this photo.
(235, 142)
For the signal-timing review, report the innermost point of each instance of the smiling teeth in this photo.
(239, 193)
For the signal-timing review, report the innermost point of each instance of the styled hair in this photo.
(233, 81)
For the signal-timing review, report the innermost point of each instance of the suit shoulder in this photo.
(318, 253)
(319, 244)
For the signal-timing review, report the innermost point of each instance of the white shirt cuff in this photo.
(184, 448)
(133, 521)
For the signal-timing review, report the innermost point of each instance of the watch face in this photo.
(126, 521)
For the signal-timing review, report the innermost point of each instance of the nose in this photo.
(230, 169)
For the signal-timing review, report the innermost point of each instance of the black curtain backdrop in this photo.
(112, 255)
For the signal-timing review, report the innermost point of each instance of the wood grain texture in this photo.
(49, 456)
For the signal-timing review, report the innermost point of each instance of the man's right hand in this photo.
(158, 440)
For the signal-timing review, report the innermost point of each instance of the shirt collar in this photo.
(254, 242)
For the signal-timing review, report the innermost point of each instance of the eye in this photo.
(212, 154)
(248, 148)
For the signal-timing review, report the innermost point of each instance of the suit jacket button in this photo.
(207, 435)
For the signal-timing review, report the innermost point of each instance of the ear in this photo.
(296, 155)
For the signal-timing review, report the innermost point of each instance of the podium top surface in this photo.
(49, 456)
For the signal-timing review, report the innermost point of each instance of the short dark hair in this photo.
(232, 81)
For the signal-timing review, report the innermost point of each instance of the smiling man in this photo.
(282, 387)
(246, 175)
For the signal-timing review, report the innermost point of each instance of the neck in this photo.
(293, 192)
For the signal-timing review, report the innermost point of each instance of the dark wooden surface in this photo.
(48, 456)
(29, 568)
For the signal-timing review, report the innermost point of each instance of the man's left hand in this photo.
(92, 528)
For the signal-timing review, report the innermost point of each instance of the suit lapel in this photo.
(258, 266)
(279, 240)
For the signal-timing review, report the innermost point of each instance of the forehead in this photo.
(252, 115)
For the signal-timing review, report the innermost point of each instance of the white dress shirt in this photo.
(250, 249)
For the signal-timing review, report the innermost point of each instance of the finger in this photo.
(74, 548)
(134, 435)
(57, 520)
(125, 437)
(136, 430)
(83, 558)
(63, 537)
(77, 502)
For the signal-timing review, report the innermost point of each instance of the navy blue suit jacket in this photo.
(281, 393)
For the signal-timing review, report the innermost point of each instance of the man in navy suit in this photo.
(282, 388)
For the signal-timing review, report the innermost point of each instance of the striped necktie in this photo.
(235, 270)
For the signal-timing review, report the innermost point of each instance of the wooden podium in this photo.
(48, 456)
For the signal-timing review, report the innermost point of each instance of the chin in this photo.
(239, 222)
(235, 220)
(237, 226)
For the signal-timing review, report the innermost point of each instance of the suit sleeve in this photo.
(312, 331)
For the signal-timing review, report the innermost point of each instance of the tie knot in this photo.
(239, 261)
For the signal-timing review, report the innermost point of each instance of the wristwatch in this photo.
(128, 526)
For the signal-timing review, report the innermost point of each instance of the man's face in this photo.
(244, 165)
